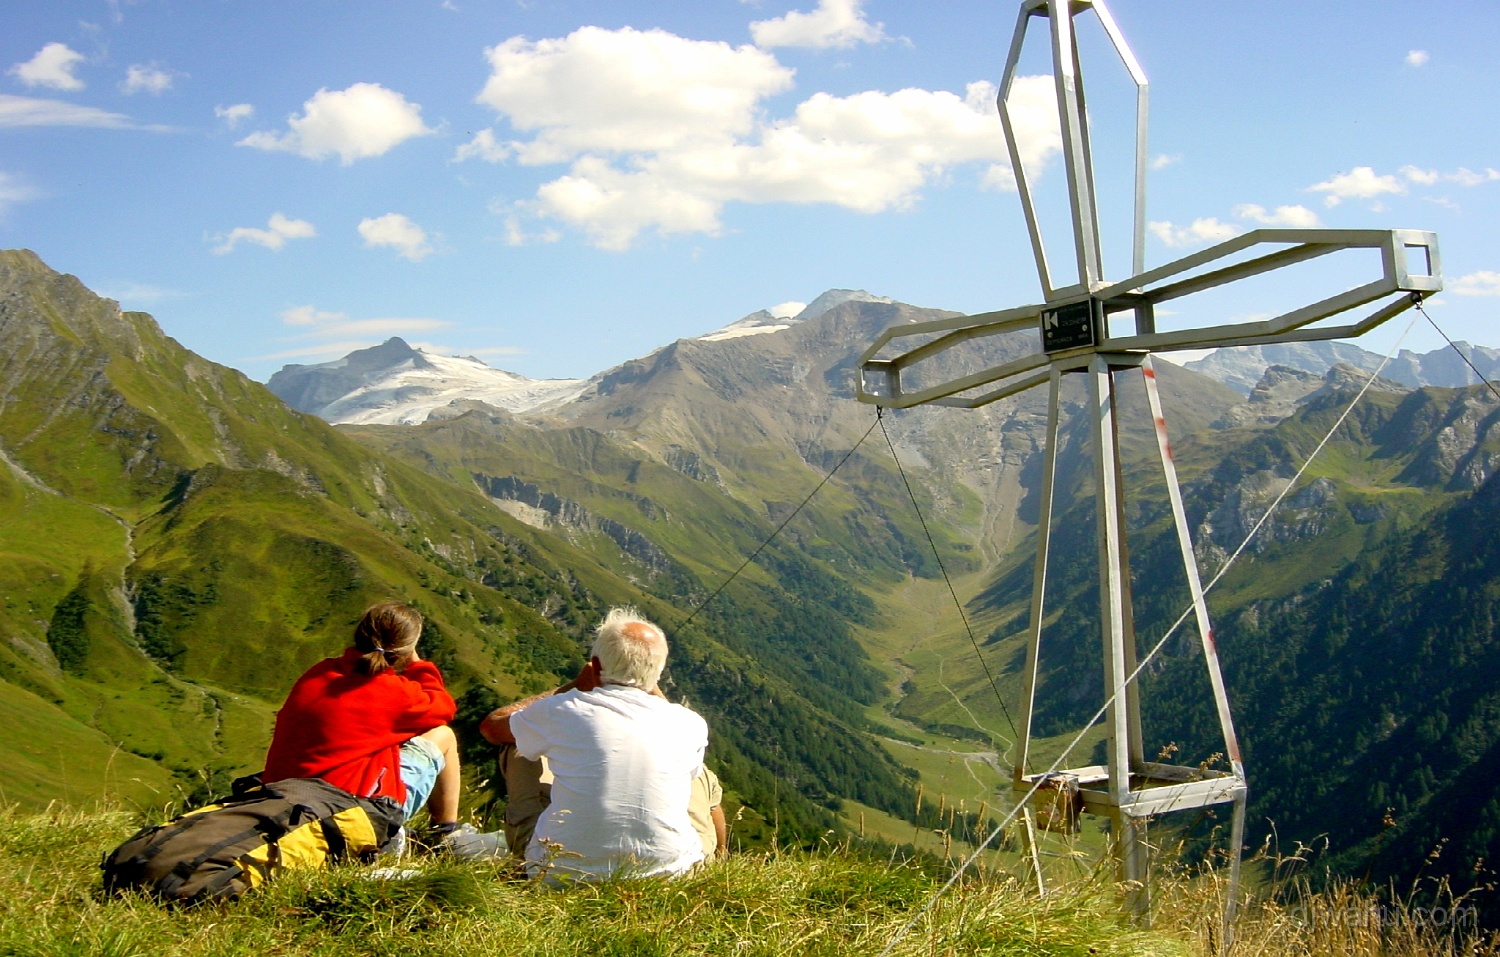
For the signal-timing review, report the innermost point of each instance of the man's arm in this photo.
(721, 830)
(496, 725)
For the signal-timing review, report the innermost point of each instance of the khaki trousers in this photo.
(528, 788)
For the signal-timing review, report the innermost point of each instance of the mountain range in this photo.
(395, 384)
(180, 536)
(1242, 367)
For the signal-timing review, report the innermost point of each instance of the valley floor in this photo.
(938, 680)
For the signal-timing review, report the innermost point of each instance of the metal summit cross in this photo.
(1075, 334)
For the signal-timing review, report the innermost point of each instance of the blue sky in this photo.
(559, 185)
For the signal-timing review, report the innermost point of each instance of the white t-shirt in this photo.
(623, 763)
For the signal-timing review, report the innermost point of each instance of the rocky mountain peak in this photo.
(1344, 377)
(76, 314)
(390, 353)
(764, 321)
(837, 297)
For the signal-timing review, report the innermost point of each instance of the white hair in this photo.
(631, 650)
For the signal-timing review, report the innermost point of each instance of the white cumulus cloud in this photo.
(614, 91)
(278, 231)
(662, 132)
(360, 122)
(309, 316)
(52, 67)
(1463, 176)
(1162, 160)
(483, 146)
(1199, 231)
(516, 234)
(148, 78)
(787, 310)
(1422, 177)
(398, 232)
(14, 190)
(1362, 182)
(1416, 57)
(1296, 216)
(232, 115)
(1482, 283)
(834, 23)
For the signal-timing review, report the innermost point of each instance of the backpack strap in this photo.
(162, 836)
(215, 885)
(272, 829)
(338, 846)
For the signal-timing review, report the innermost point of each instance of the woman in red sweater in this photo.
(374, 721)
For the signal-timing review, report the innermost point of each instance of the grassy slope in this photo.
(827, 904)
(210, 543)
(53, 757)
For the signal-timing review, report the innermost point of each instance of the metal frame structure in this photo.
(1074, 327)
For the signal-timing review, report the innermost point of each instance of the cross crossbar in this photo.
(1410, 269)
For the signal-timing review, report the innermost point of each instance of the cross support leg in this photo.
(1232, 895)
(1135, 854)
(1032, 849)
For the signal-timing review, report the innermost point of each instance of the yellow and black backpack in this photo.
(220, 851)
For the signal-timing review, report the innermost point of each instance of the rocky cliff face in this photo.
(545, 509)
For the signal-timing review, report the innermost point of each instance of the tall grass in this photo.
(1288, 907)
(838, 902)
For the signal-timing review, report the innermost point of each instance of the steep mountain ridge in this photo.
(773, 413)
(1366, 691)
(1352, 630)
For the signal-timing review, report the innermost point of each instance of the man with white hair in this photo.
(622, 758)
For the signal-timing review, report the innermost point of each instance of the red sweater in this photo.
(347, 727)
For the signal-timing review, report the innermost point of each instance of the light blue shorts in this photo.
(421, 763)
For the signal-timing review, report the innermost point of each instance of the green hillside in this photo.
(786, 624)
(180, 546)
(1369, 694)
(1353, 631)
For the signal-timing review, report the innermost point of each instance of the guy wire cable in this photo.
(755, 554)
(879, 418)
(1270, 510)
(1432, 322)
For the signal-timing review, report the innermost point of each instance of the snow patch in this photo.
(733, 333)
(405, 393)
